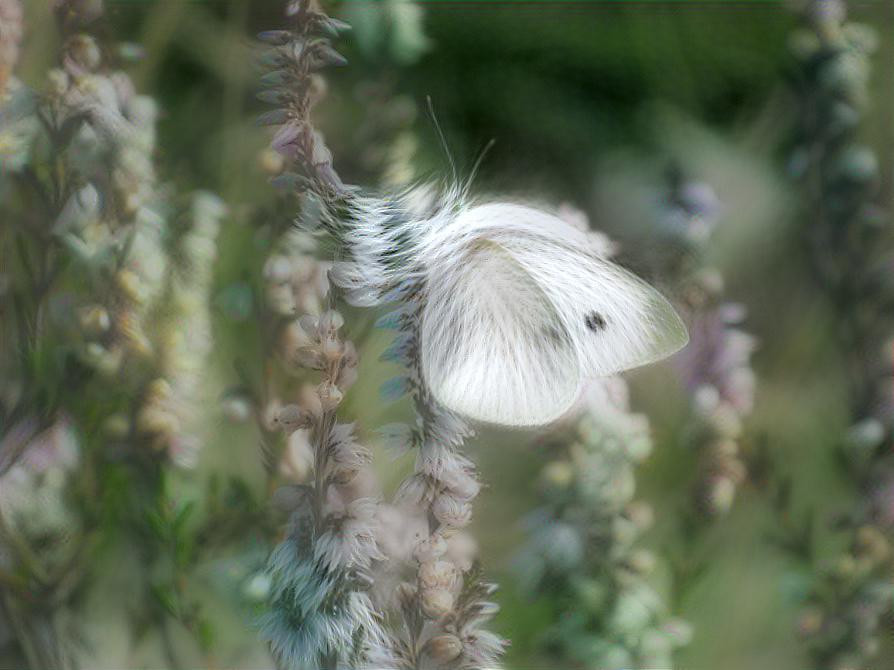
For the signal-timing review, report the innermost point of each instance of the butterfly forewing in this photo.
(616, 320)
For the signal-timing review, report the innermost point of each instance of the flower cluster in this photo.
(184, 339)
(582, 544)
(33, 492)
(850, 248)
(716, 366)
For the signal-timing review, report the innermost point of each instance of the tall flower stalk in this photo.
(716, 366)
(582, 540)
(850, 250)
(321, 614)
(444, 610)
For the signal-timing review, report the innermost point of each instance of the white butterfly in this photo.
(519, 308)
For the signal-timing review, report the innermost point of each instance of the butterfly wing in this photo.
(521, 309)
(493, 347)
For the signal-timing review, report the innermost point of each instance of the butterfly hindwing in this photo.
(493, 345)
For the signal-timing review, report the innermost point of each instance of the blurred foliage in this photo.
(586, 103)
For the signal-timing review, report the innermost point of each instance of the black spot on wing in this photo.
(595, 322)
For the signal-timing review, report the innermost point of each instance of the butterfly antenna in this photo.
(443, 138)
(478, 162)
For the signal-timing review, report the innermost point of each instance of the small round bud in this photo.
(309, 399)
(331, 347)
(82, 53)
(257, 587)
(719, 492)
(94, 320)
(236, 407)
(451, 512)
(330, 396)
(347, 376)
(641, 514)
(298, 348)
(278, 269)
(430, 548)
(845, 567)
(130, 285)
(557, 475)
(462, 550)
(297, 459)
(330, 321)
(438, 574)
(444, 649)
(679, 631)
(436, 603)
(290, 418)
(116, 426)
(271, 162)
(641, 562)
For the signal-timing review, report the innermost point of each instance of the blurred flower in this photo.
(33, 492)
(581, 543)
(716, 365)
(11, 32)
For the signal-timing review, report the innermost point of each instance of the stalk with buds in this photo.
(851, 254)
(321, 614)
(716, 366)
(582, 544)
(444, 611)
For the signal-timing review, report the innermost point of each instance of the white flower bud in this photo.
(331, 321)
(116, 426)
(297, 459)
(330, 396)
(438, 574)
(83, 52)
(430, 548)
(444, 649)
(719, 494)
(462, 550)
(451, 512)
(278, 269)
(309, 399)
(298, 348)
(94, 320)
(236, 408)
(557, 475)
(642, 562)
(641, 514)
(347, 376)
(58, 82)
(436, 603)
(257, 588)
(290, 418)
(331, 347)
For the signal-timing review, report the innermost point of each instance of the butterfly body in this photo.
(517, 308)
